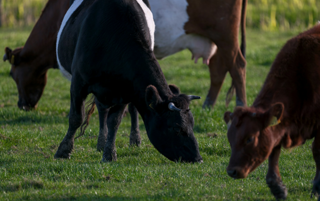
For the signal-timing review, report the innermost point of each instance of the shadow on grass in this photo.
(146, 197)
(27, 119)
(4, 74)
(218, 152)
(26, 184)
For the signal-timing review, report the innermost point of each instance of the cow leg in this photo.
(103, 129)
(113, 121)
(316, 157)
(238, 74)
(278, 189)
(218, 70)
(135, 138)
(76, 115)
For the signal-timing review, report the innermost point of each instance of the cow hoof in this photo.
(109, 155)
(208, 103)
(104, 160)
(109, 159)
(316, 190)
(278, 189)
(61, 156)
(135, 139)
(64, 150)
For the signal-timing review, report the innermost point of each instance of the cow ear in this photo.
(228, 118)
(7, 54)
(274, 115)
(152, 97)
(174, 89)
(13, 58)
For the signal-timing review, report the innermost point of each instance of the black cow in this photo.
(107, 47)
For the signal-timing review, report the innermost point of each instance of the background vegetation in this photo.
(261, 14)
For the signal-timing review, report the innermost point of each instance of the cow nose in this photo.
(232, 173)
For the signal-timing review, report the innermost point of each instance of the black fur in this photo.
(106, 47)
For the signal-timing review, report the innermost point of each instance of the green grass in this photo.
(28, 141)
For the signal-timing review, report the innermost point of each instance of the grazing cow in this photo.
(202, 27)
(106, 48)
(31, 63)
(285, 114)
(209, 29)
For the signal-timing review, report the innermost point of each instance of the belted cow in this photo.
(199, 26)
(106, 48)
(286, 113)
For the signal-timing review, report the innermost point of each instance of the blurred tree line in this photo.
(261, 14)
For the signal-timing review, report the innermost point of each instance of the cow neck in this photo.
(152, 75)
(40, 45)
(278, 88)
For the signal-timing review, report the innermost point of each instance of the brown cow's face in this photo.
(29, 81)
(251, 138)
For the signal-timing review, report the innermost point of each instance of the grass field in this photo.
(28, 141)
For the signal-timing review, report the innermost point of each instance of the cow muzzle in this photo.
(237, 173)
(5, 58)
(25, 106)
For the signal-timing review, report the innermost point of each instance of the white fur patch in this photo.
(70, 11)
(170, 17)
(76, 4)
(150, 21)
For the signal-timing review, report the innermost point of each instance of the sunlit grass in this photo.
(28, 141)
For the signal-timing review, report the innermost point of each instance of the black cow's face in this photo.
(170, 127)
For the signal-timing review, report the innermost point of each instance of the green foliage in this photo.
(21, 12)
(28, 141)
(282, 14)
(261, 14)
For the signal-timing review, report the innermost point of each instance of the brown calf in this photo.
(31, 63)
(285, 114)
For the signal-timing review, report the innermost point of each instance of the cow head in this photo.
(170, 125)
(251, 137)
(29, 80)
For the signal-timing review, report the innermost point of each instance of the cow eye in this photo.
(250, 139)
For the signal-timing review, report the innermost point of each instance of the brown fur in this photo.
(221, 24)
(291, 93)
(31, 63)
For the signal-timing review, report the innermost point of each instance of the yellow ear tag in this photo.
(12, 59)
(274, 121)
(151, 106)
(229, 124)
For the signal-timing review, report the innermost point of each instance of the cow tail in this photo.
(90, 105)
(243, 28)
(230, 94)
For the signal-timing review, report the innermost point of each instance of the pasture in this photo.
(28, 141)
